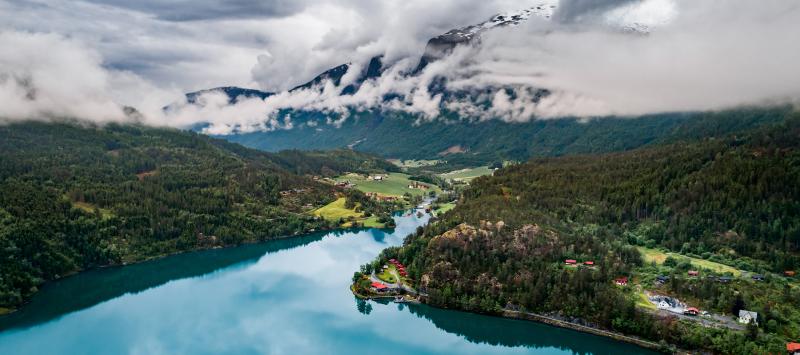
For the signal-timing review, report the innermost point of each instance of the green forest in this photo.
(74, 197)
(733, 200)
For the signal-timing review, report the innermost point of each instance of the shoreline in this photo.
(533, 317)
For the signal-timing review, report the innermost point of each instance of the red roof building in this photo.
(571, 261)
(693, 273)
(692, 311)
(789, 273)
(622, 281)
(378, 286)
(590, 263)
(793, 348)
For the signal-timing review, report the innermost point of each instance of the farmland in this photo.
(394, 184)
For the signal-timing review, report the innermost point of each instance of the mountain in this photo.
(725, 206)
(466, 141)
(73, 197)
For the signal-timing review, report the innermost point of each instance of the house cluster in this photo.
(573, 262)
(417, 185)
(401, 269)
(379, 197)
(345, 184)
(379, 287)
(292, 191)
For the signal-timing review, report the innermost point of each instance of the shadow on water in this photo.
(91, 287)
(497, 331)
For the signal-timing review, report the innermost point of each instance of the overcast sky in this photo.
(83, 58)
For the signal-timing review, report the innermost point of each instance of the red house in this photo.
(691, 311)
(571, 261)
(379, 286)
(693, 273)
(793, 348)
(588, 263)
(621, 281)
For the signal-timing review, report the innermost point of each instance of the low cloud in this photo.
(623, 58)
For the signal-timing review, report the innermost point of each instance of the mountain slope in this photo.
(734, 200)
(75, 197)
(399, 135)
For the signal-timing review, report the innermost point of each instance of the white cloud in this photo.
(86, 59)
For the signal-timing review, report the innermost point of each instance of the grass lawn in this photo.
(445, 207)
(643, 302)
(467, 174)
(388, 275)
(395, 185)
(88, 207)
(659, 256)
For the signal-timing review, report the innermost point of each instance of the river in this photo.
(288, 296)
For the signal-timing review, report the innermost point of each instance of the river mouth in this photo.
(284, 296)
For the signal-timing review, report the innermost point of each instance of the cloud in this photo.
(593, 59)
(68, 82)
(194, 10)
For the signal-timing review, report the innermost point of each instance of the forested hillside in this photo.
(74, 197)
(467, 143)
(734, 200)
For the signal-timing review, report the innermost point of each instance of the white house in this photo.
(746, 317)
(664, 305)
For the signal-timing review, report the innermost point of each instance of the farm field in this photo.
(467, 174)
(336, 210)
(659, 256)
(396, 184)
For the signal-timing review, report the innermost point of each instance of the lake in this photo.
(288, 296)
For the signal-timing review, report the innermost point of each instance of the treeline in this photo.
(74, 197)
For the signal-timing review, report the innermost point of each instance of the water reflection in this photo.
(92, 287)
(289, 296)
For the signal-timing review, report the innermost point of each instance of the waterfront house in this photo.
(379, 287)
(747, 317)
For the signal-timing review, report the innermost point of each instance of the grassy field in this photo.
(88, 207)
(445, 207)
(336, 210)
(467, 174)
(659, 256)
(395, 185)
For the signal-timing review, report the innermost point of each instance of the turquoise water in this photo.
(283, 297)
